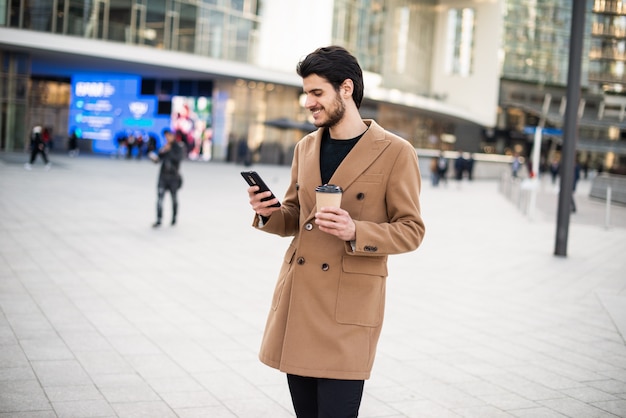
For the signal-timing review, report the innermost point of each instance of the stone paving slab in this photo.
(103, 316)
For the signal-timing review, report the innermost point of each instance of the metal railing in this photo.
(610, 188)
(517, 190)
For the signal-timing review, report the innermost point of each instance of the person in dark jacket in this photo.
(460, 165)
(38, 146)
(72, 144)
(170, 156)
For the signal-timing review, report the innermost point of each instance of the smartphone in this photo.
(253, 179)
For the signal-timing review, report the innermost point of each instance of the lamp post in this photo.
(570, 131)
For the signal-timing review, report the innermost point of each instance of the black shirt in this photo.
(332, 153)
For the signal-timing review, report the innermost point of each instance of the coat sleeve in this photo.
(405, 228)
(285, 222)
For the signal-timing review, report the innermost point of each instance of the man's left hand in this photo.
(337, 222)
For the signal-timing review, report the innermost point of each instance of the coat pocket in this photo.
(365, 199)
(370, 178)
(284, 271)
(361, 293)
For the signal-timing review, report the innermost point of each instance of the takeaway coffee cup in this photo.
(328, 195)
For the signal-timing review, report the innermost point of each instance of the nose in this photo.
(310, 102)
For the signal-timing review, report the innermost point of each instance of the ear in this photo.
(347, 87)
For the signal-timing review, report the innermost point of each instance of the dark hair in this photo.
(335, 64)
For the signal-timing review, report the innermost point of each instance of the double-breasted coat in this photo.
(328, 305)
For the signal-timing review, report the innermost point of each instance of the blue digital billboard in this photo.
(106, 106)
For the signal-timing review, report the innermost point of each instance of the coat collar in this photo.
(364, 153)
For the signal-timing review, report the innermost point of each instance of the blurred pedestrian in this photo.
(121, 140)
(434, 172)
(152, 143)
(72, 144)
(459, 166)
(130, 144)
(139, 144)
(554, 169)
(442, 169)
(469, 165)
(516, 164)
(244, 156)
(170, 155)
(38, 146)
(577, 170)
(47, 139)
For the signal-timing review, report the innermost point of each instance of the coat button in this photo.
(360, 196)
(308, 226)
(300, 260)
(325, 267)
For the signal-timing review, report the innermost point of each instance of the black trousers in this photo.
(36, 150)
(162, 188)
(325, 398)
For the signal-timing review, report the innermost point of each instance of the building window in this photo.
(402, 33)
(358, 25)
(460, 42)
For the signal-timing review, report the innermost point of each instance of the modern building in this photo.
(113, 68)
(533, 85)
(466, 75)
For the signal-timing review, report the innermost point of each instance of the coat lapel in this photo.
(364, 153)
(312, 177)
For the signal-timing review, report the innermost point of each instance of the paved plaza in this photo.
(103, 316)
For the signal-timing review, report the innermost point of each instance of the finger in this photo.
(267, 211)
(332, 210)
(262, 204)
(327, 223)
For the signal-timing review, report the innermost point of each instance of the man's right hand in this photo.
(262, 208)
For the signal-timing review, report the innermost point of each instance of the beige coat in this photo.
(327, 311)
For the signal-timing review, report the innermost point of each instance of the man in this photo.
(171, 154)
(39, 144)
(517, 164)
(327, 310)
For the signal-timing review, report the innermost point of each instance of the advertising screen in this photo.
(191, 118)
(105, 107)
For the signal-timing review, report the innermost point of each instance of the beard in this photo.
(334, 115)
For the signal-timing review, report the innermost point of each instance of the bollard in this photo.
(607, 214)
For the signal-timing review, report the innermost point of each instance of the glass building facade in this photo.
(534, 80)
(425, 55)
(607, 56)
(402, 59)
(393, 39)
(536, 41)
(223, 29)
